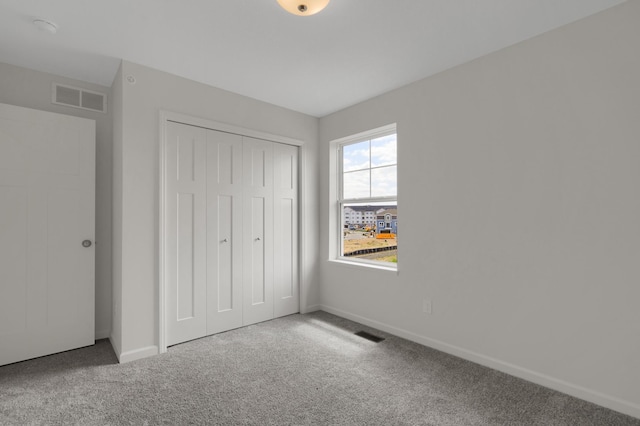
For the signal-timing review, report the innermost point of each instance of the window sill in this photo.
(366, 265)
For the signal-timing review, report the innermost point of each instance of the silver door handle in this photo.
(86, 243)
(258, 239)
(226, 240)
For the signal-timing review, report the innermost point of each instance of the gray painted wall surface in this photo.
(138, 233)
(518, 198)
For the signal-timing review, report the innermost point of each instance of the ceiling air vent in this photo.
(79, 98)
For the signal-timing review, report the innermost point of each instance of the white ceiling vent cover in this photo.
(79, 98)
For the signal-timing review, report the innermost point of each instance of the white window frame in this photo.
(337, 200)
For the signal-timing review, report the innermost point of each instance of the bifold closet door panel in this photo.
(224, 231)
(257, 230)
(186, 269)
(286, 259)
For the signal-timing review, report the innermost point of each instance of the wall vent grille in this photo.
(79, 98)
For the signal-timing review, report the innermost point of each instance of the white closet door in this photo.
(286, 274)
(47, 209)
(224, 231)
(257, 230)
(185, 233)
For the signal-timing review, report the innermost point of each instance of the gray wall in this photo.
(519, 211)
(136, 164)
(32, 89)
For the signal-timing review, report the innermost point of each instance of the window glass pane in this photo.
(356, 185)
(355, 156)
(384, 182)
(370, 231)
(383, 151)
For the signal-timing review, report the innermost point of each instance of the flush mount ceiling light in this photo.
(46, 26)
(303, 7)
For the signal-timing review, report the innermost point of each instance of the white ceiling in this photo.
(352, 51)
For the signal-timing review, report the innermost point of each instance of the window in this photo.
(367, 201)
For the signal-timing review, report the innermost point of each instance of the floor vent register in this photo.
(369, 336)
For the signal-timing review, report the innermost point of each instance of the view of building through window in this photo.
(370, 231)
(368, 203)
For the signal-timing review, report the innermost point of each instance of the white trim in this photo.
(302, 252)
(367, 134)
(364, 263)
(227, 128)
(599, 398)
(168, 116)
(337, 200)
(162, 342)
(137, 354)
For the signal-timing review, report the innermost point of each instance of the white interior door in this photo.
(286, 300)
(47, 210)
(185, 233)
(257, 230)
(224, 231)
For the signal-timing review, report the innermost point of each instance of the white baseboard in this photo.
(102, 334)
(138, 354)
(310, 309)
(611, 402)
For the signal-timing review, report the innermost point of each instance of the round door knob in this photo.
(226, 240)
(258, 239)
(86, 243)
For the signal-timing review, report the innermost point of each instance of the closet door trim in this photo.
(169, 116)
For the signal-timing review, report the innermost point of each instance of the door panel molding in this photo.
(224, 231)
(258, 231)
(286, 272)
(186, 272)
